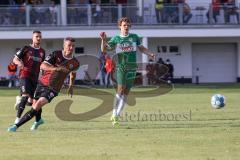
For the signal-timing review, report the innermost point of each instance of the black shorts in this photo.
(27, 86)
(43, 91)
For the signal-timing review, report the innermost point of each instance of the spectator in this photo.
(102, 60)
(159, 10)
(97, 11)
(109, 67)
(161, 68)
(215, 9)
(170, 71)
(151, 72)
(187, 15)
(171, 12)
(230, 8)
(160, 61)
(53, 9)
(12, 70)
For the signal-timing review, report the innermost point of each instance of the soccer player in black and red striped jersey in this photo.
(56, 67)
(29, 59)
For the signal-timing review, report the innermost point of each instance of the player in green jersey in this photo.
(125, 45)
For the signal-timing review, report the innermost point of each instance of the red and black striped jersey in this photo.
(32, 59)
(55, 79)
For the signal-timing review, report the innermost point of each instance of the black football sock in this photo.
(39, 115)
(21, 107)
(28, 116)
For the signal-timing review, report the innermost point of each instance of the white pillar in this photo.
(145, 60)
(28, 9)
(140, 8)
(64, 12)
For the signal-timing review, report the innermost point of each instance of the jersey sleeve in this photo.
(76, 67)
(20, 53)
(44, 55)
(50, 59)
(111, 43)
(138, 40)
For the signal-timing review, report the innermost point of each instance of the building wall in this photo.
(182, 62)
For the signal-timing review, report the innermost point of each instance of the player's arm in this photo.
(146, 51)
(18, 62)
(107, 46)
(71, 83)
(103, 37)
(19, 56)
(47, 67)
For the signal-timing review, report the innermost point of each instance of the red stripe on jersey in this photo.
(55, 79)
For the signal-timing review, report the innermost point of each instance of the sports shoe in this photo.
(115, 120)
(12, 128)
(36, 124)
(18, 100)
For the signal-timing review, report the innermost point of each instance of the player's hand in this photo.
(152, 56)
(70, 91)
(103, 35)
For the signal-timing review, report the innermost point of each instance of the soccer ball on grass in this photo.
(218, 101)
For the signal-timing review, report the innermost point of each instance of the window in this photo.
(79, 50)
(169, 49)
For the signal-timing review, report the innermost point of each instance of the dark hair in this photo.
(37, 32)
(69, 39)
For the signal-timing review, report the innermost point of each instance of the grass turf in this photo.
(180, 125)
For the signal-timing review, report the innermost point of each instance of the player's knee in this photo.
(23, 101)
(39, 103)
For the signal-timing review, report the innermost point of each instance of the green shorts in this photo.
(126, 77)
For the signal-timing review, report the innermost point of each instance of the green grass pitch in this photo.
(190, 130)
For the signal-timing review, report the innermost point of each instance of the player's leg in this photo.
(18, 100)
(29, 102)
(30, 114)
(130, 77)
(21, 107)
(38, 117)
(39, 93)
(27, 91)
(120, 87)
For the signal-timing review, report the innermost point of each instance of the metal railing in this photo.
(93, 15)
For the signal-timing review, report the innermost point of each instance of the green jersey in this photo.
(126, 49)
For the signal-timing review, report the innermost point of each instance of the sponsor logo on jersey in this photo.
(51, 94)
(37, 59)
(71, 66)
(126, 47)
(23, 89)
(18, 52)
(41, 54)
(47, 58)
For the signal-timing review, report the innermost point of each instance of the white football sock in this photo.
(121, 104)
(115, 104)
(16, 120)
